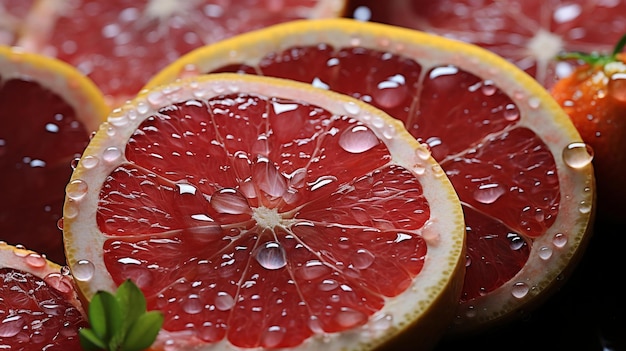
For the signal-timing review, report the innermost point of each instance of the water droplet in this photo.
(111, 154)
(520, 290)
(391, 92)
(363, 259)
(321, 182)
(192, 304)
(617, 87)
(60, 223)
(271, 255)
(268, 178)
(59, 281)
(488, 88)
(89, 161)
(52, 309)
(313, 269)
(11, 326)
(489, 193)
(351, 107)
(224, 301)
(511, 113)
(230, 201)
(186, 188)
(381, 322)
(83, 270)
(328, 285)
(76, 189)
(584, 207)
(516, 241)
(71, 209)
(273, 336)
(577, 155)
(545, 252)
(349, 318)
(315, 325)
(358, 139)
(559, 240)
(35, 260)
(74, 162)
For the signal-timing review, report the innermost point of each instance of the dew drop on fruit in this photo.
(381, 322)
(617, 87)
(313, 269)
(315, 325)
(74, 162)
(111, 154)
(321, 182)
(351, 108)
(584, 206)
(273, 336)
(577, 155)
(358, 139)
(349, 318)
(71, 209)
(328, 285)
(84, 270)
(11, 326)
(545, 252)
(559, 240)
(224, 301)
(186, 188)
(363, 259)
(89, 161)
(271, 255)
(60, 281)
(76, 189)
(60, 223)
(35, 260)
(519, 290)
(489, 193)
(488, 88)
(391, 92)
(230, 201)
(192, 304)
(511, 113)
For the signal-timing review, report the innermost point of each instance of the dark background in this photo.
(588, 312)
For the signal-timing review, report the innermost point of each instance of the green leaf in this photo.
(131, 301)
(143, 332)
(89, 340)
(105, 316)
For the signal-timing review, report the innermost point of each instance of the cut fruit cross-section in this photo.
(39, 308)
(265, 213)
(47, 112)
(120, 44)
(516, 161)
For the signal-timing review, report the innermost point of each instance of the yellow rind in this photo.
(61, 78)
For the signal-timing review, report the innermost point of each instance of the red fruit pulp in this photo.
(39, 138)
(296, 190)
(504, 174)
(35, 316)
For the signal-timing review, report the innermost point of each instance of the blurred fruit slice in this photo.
(120, 44)
(39, 308)
(514, 157)
(266, 213)
(47, 112)
(529, 33)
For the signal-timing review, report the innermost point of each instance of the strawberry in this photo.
(594, 96)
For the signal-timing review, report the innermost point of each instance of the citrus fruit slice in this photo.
(266, 213)
(120, 44)
(529, 33)
(39, 308)
(513, 156)
(47, 112)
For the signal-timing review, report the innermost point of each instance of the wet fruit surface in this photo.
(35, 166)
(231, 212)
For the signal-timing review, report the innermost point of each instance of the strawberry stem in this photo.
(595, 58)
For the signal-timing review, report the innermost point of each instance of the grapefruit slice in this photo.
(39, 308)
(47, 112)
(264, 213)
(529, 33)
(515, 159)
(120, 44)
